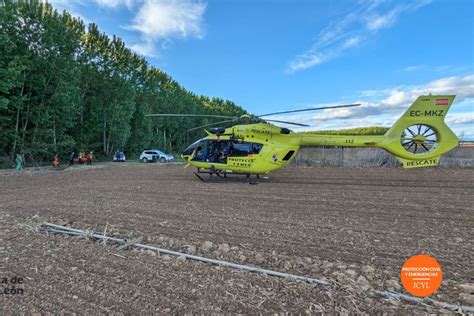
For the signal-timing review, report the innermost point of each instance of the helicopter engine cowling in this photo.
(217, 130)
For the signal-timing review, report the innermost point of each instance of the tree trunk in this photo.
(17, 124)
(164, 140)
(24, 127)
(16, 128)
(104, 140)
(54, 136)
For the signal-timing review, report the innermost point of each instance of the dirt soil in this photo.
(353, 227)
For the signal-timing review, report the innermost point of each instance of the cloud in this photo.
(71, 6)
(396, 100)
(113, 4)
(157, 22)
(461, 118)
(170, 18)
(162, 20)
(462, 87)
(388, 104)
(64, 4)
(146, 48)
(413, 68)
(376, 21)
(351, 30)
(351, 42)
(306, 60)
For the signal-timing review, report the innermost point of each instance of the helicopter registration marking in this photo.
(427, 113)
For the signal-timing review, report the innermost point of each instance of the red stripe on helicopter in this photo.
(442, 101)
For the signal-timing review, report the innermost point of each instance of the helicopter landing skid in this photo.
(223, 175)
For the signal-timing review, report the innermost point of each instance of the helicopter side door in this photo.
(212, 151)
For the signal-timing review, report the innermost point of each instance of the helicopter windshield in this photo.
(189, 150)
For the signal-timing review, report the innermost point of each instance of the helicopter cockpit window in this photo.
(244, 148)
(211, 150)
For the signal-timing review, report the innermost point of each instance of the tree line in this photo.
(65, 85)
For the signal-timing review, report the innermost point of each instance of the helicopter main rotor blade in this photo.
(286, 122)
(207, 125)
(312, 109)
(192, 115)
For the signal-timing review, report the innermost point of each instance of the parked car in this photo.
(119, 156)
(154, 155)
(149, 156)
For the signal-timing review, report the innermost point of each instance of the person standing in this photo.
(89, 158)
(56, 161)
(71, 158)
(19, 160)
(82, 157)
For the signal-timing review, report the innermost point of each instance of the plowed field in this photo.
(353, 227)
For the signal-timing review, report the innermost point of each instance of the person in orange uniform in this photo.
(56, 161)
(83, 157)
(89, 158)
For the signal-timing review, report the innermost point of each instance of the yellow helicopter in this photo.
(417, 139)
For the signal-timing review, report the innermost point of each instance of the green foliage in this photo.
(373, 130)
(64, 85)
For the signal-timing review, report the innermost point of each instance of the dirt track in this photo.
(334, 223)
